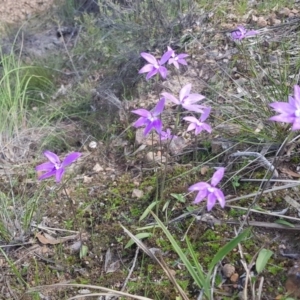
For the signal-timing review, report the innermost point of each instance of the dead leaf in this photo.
(292, 202)
(109, 266)
(204, 170)
(50, 240)
(87, 179)
(113, 267)
(108, 258)
(97, 168)
(289, 172)
(137, 193)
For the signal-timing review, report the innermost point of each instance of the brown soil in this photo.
(15, 11)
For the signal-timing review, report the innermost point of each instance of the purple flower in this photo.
(186, 99)
(199, 125)
(241, 32)
(288, 112)
(210, 191)
(150, 118)
(54, 167)
(155, 66)
(177, 59)
(166, 135)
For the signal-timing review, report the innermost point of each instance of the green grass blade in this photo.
(187, 263)
(200, 272)
(148, 210)
(227, 248)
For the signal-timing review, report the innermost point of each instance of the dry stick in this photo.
(213, 281)
(269, 166)
(131, 269)
(71, 59)
(130, 272)
(243, 262)
(260, 157)
(248, 268)
(159, 260)
(260, 287)
(10, 290)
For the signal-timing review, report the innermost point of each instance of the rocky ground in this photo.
(119, 174)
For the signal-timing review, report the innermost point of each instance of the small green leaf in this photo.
(284, 222)
(262, 259)
(147, 211)
(178, 197)
(139, 236)
(83, 251)
(227, 248)
(166, 205)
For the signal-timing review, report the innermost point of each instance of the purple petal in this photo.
(142, 112)
(140, 122)
(205, 114)
(218, 175)
(171, 98)
(158, 109)
(192, 126)
(237, 35)
(242, 29)
(148, 128)
(220, 196)
(47, 175)
(146, 69)
(193, 98)
(47, 166)
(190, 119)
(193, 107)
(157, 124)
(175, 63)
(251, 33)
(296, 124)
(164, 135)
(52, 157)
(163, 72)
(182, 61)
(206, 127)
(151, 73)
(199, 186)
(170, 49)
(182, 55)
(283, 107)
(166, 57)
(149, 58)
(59, 174)
(292, 102)
(200, 196)
(297, 93)
(211, 201)
(198, 129)
(283, 118)
(70, 158)
(184, 92)
(296, 99)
